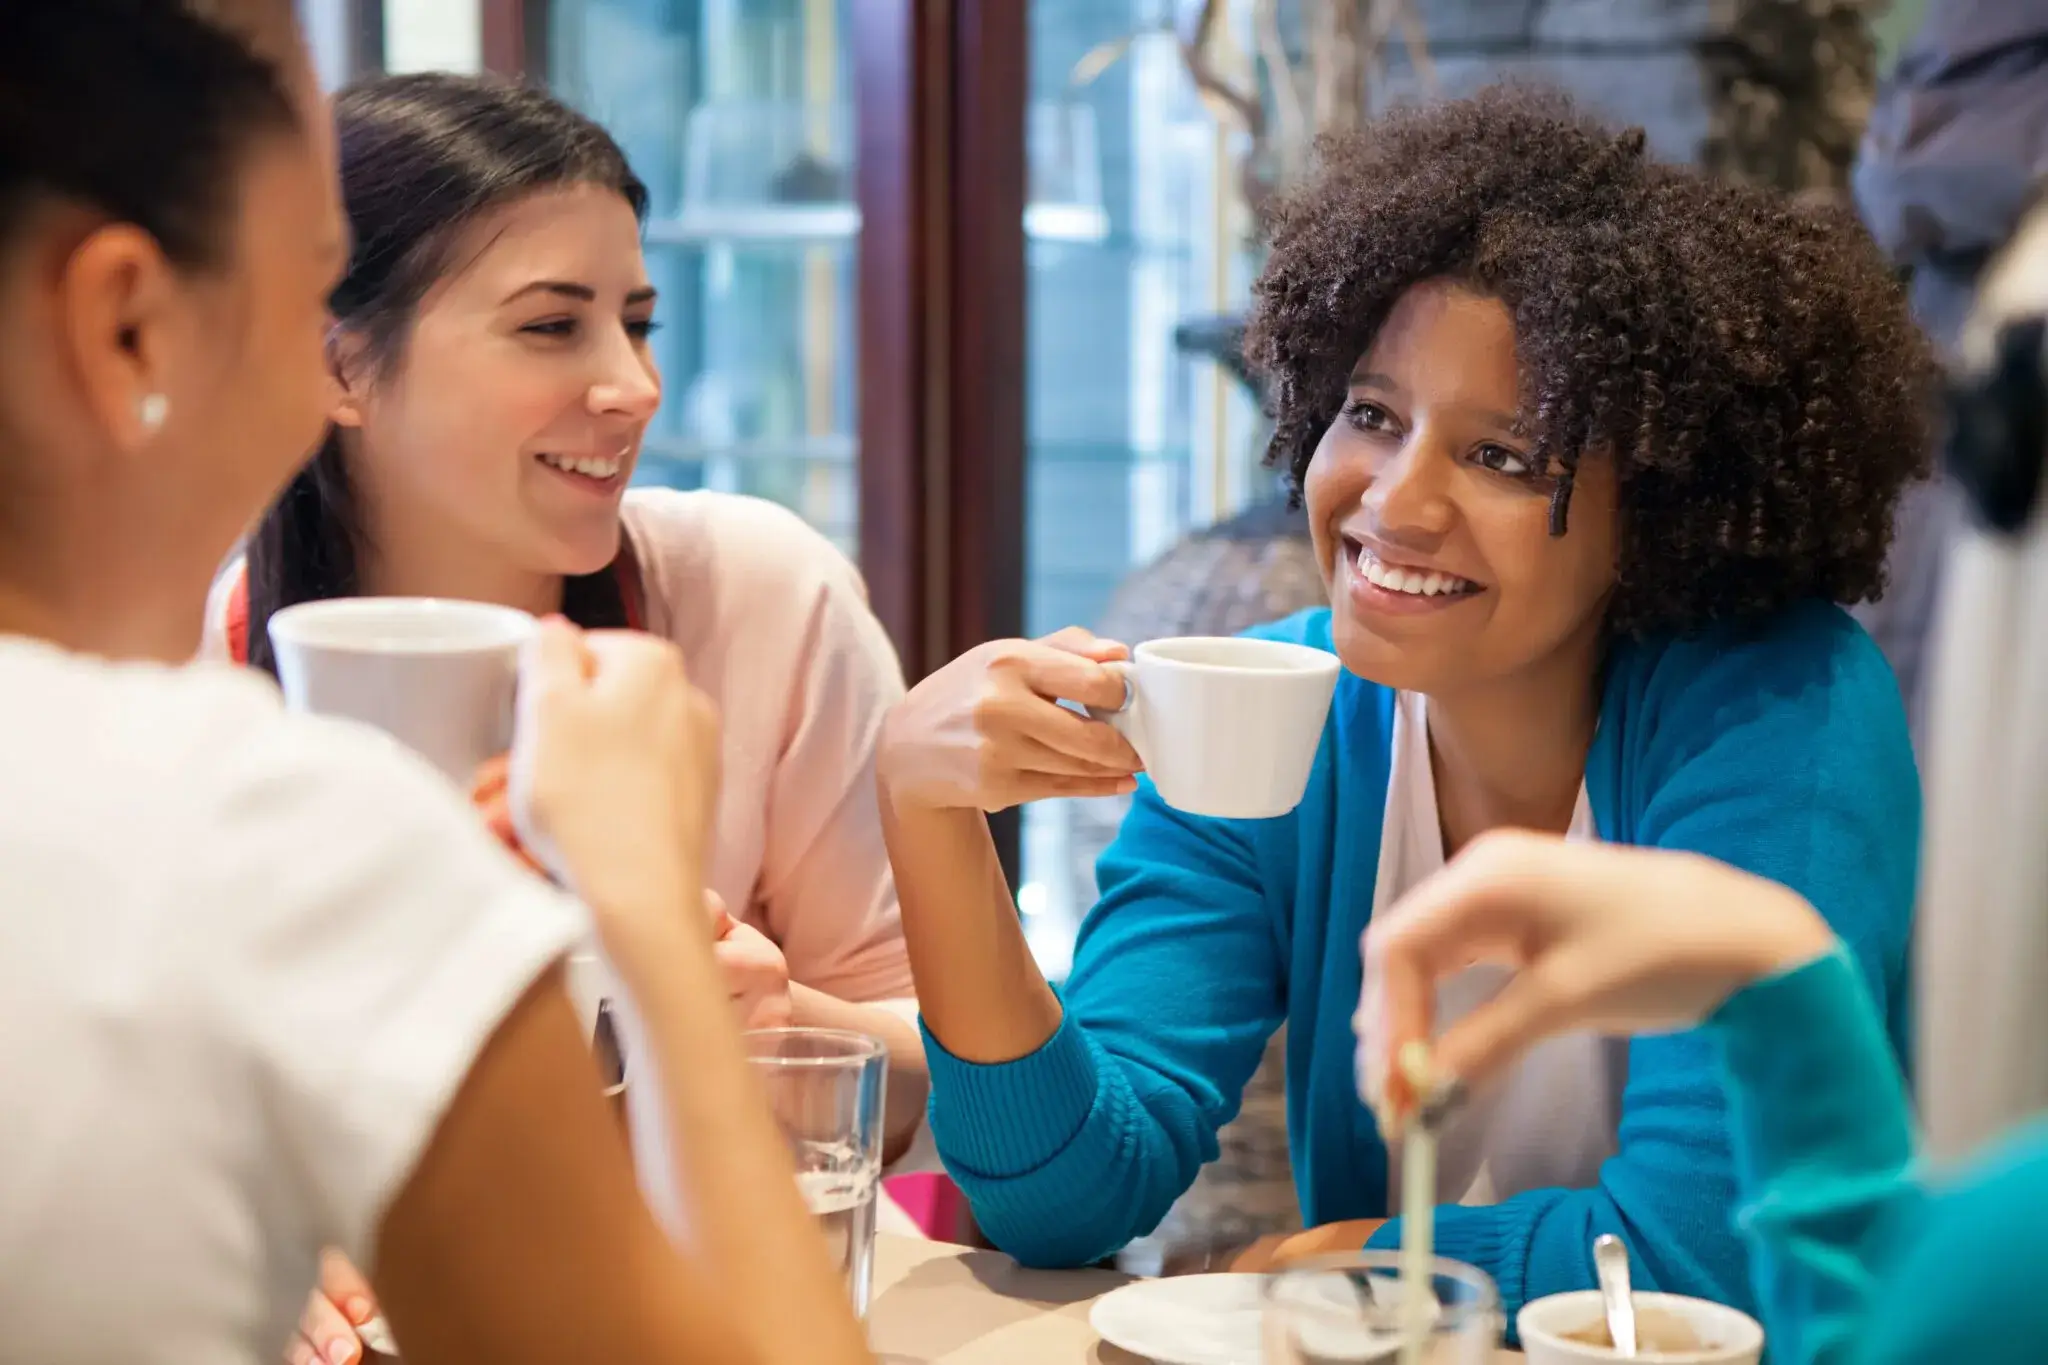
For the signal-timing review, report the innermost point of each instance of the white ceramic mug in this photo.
(1226, 726)
(440, 676)
(1727, 1336)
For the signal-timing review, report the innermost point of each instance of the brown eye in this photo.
(1366, 416)
(1501, 460)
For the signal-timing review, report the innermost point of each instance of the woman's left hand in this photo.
(756, 973)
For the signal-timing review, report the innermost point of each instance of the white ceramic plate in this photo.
(1186, 1320)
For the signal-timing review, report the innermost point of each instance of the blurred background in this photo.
(960, 280)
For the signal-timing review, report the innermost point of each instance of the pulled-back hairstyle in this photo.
(140, 109)
(422, 157)
(1746, 361)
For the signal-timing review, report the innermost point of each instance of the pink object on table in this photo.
(933, 1202)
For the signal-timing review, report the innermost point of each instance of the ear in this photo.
(121, 323)
(348, 371)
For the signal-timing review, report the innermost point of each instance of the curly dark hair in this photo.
(1748, 362)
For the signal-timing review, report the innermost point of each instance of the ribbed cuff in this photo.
(1811, 1071)
(1002, 1120)
(1493, 1238)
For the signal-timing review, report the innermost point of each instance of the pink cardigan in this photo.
(775, 626)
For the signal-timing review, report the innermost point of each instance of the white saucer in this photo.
(1185, 1320)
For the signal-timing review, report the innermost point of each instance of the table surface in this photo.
(936, 1304)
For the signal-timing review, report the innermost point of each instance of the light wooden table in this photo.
(936, 1304)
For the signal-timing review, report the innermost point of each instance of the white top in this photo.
(245, 961)
(1549, 1122)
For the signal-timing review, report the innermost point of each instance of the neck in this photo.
(406, 552)
(1513, 753)
(431, 569)
(94, 608)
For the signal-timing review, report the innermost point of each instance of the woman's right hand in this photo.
(615, 776)
(1597, 936)
(985, 732)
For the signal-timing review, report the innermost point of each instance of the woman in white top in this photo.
(265, 985)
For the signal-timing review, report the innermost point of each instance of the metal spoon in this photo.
(1610, 1263)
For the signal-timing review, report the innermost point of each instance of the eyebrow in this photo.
(582, 293)
(1372, 379)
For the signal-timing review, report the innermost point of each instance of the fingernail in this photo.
(357, 1309)
(1444, 1101)
(343, 1351)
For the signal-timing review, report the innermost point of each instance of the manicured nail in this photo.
(343, 1351)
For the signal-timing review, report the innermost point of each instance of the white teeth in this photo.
(590, 468)
(1414, 582)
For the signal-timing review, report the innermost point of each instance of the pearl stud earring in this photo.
(152, 411)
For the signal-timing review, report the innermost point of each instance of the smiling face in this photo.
(510, 420)
(1431, 526)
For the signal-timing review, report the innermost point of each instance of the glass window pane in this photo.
(1133, 439)
(737, 114)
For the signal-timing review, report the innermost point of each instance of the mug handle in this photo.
(1127, 719)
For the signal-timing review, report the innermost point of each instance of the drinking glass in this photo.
(1348, 1309)
(825, 1087)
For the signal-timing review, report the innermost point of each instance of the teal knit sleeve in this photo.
(1823, 1147)
(1069, 1153)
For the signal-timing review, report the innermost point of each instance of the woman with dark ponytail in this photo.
(266, 989)
(491, 383)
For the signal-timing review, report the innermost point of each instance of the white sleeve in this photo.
(375, 938)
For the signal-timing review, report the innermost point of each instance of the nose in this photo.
(1409, 494)
(628, 384)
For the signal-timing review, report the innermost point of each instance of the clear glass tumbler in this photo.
(826, 1089)
(1349, 1309)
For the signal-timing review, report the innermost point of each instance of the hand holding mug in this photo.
(614, 778)
(986, 732)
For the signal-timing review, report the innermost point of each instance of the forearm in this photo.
(978, 988)
(730, 1161)
(909, 1074)
(1823, 1153)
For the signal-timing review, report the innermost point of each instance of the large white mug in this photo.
(440, 676)
(1226, 726)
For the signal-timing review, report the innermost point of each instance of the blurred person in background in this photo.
(1956, 143)
(266, 984)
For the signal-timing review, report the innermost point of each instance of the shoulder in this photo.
(203, 765)
(1810, 665)
(742, 547)
(722, 570)
(1310, 627)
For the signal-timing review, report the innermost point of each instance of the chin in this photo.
(574, 557)
(1373, 657)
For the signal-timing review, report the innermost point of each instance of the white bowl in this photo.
(1731, 1337)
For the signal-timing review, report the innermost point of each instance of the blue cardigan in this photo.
(1780, 747)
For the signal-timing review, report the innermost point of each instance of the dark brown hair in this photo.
(1748, 363)
(421, 157)
(139, 108)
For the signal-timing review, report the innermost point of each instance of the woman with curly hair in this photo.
(1591, 450)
